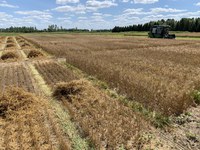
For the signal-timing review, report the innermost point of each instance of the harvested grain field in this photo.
(162, 75)
(92, 92)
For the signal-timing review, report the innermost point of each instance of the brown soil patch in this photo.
(9, 55)
(34, 54)
(107, 122)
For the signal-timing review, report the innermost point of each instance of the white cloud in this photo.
(80, 9)
(91, 5)
(166, 10)
(176, 16)
(11, 21)
(137, 11)
(198, 4)
(94, 4)
(5, 4)
(145, 1)
(101, 14)
(97, 14)
(32, 12)
(82, 18)
(41, 15)
(185, 15)
(4, 17)
(66, 1)
(63, 18)
(125, 1)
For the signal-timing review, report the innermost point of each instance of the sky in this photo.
(93, 14)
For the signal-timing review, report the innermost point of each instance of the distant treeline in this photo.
(185, 24)
(51, 28)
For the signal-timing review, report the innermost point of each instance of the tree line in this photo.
(185, 24)
(51, 28)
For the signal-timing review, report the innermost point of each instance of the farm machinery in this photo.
(161, 31)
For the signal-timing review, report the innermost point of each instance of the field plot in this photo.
(15, 75)
(161, 74)
(106, 122)
(24, 44)
(10, 44)
(54, 73)
(27, 122)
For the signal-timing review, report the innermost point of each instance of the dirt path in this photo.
(185, 130)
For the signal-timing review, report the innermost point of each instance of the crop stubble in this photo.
(15, 75)
(54, 73)
(27, 122)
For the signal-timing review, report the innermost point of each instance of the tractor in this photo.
(161, 31)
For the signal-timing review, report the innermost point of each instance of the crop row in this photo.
(54, 73)
(15, 75)
(24, 44)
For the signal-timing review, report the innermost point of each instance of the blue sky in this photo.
(92, 14)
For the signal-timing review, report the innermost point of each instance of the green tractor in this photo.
(161, 31)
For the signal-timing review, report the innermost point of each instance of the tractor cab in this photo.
(161, 31)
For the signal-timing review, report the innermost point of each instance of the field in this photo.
(179, 34)
(162, 75)
(82, 92)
